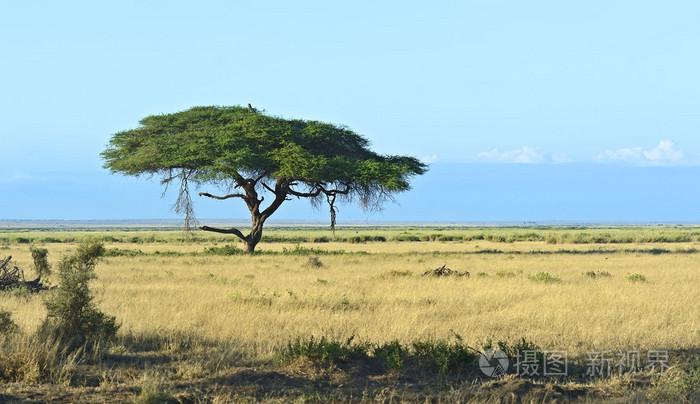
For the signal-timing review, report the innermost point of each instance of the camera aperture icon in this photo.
(494, 363)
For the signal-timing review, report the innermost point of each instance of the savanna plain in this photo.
(362, 316)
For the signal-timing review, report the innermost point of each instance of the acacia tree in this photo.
(246, 153)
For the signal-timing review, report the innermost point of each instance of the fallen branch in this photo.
(13, 277)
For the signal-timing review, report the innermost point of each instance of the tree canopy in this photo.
(248, 153)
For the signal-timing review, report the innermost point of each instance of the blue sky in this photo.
(538, 110)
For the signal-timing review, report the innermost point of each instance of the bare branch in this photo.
(221, 197)
(232, 230)
(269, 188)
(183, 204)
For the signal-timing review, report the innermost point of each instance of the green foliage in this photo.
(41, 264)
(392, 355)
(636, 278)
(365, 238)
(241, 146)
(122, 252)
(329, 351)
(72, 314)
(512, 350)
(444, 356)
(228, 249)
(299, 250)
(544, 277)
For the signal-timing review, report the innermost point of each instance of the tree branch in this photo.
(305, 194)
(255, 181)
(232, 230)
(221, 197)
(269, 188)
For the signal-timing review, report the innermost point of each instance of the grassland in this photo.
(202, 322)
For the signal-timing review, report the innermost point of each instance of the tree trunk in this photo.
(252, 240)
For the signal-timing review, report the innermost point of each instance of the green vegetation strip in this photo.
(369, 234)
(229, 249)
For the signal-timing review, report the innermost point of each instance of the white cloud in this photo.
(664, 154)
(524, 155)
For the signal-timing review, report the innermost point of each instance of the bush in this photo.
(392, 355)
(446, 357)
(41, 264)
(228, 249)
(636, 278)
(118, 252)
(543, 277)
(329, 351)
(72, 316)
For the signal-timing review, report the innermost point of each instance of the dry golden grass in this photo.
(207, 327)
(261, 302)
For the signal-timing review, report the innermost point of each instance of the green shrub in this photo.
(392, 355)
(445, 357)
(72, 316)
(228, 249)
(543, 277)
(636, 278)
(122, 252)
(365, 238)
(41, 264)
(329, 351)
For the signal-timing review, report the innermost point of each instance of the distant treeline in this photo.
(550, 235)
